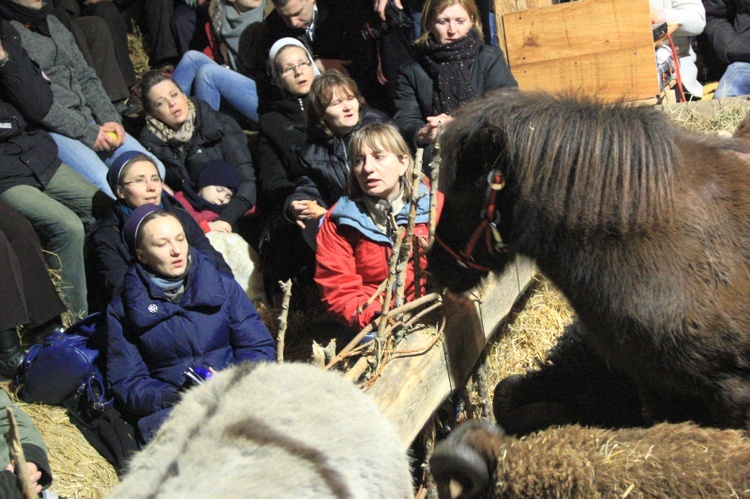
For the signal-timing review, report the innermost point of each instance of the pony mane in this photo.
(580, 161)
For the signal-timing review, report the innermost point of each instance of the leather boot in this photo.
(11, 353)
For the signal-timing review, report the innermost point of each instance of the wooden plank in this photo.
(603, 46)
(411, 389)
(503, 7)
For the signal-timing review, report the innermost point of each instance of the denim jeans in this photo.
(94, 165)
(735, 81)
(199, 75)
(58, 215)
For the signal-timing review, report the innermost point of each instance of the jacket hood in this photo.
(350, 213)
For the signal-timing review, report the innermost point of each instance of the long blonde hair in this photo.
(433, 8)
(380, 137)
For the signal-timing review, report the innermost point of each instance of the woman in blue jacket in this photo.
(135, 181)
(176, 311)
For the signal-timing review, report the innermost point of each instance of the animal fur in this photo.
(642, 225)
(272, 430)
(666, 460)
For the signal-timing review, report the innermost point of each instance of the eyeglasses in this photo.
(144, 181)
(289, 70)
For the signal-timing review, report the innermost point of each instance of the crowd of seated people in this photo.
(327, 185)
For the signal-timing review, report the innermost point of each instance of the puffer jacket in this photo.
(728, 29)
(353, 256)
(28, 156)
(150, 341)
(216, 136)
(283, 130)
(324, 164)
(110, 257)
(416, 89)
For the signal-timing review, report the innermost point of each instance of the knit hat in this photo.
(276, 47)
(218, 172)
(133, 223)
(119, 164)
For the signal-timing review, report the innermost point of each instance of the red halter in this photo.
(488, 226)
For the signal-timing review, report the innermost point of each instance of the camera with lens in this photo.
(395, 18)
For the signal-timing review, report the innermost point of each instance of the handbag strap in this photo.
(93, 390)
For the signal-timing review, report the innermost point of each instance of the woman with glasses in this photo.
(186, 134)
(135, 181)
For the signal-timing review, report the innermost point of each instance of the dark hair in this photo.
(321, 96)
(148, 81)
(148, 218)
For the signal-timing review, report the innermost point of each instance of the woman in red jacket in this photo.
(356, 238)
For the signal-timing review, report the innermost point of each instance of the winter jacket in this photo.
(80, 103)
(353, 256)
(283, 130)
(110, 257)
(202, 216)
(325, 165)
(151, 341)
(216, 136)
(31, 442)
(728, 29)
(416, 89)
(27, 156)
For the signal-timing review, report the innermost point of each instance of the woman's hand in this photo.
(34, 474)
(111, 136)
(379, 6)
(435, 124)
(220, 226)
(305, 210)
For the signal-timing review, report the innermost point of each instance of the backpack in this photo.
(64, 367)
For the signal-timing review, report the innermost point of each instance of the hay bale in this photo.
(78, 469)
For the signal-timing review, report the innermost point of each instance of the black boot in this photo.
(11, 353)
(49, 328)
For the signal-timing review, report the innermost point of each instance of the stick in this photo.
(480, 382)
(389, 285)
(286, 287)
(405, 252)
(405, 308)
(374, 296)
(18, 458)
(434, 178)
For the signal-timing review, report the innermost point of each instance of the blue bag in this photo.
(64, 367)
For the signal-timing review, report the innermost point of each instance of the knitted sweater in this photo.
(80, 103)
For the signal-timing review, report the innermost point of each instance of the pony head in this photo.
(568, 163)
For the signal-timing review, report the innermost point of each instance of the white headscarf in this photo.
(276, 48)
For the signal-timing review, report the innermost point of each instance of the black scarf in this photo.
(448, 66)
(35, 20)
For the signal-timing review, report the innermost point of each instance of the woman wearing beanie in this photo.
(177, 311)
(135, 181)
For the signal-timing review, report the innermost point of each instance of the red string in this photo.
(677, 68)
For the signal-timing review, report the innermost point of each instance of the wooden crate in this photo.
(503, 7)
(603, 46)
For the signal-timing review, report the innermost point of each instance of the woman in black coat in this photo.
(336, 110)
(185, 134)
(453, 66)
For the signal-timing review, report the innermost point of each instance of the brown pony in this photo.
(644, 226)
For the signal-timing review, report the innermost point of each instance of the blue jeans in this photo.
(58, 215)
(93, 165)
(199, 75)
(735, 81)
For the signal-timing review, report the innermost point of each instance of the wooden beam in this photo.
(411, 389)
